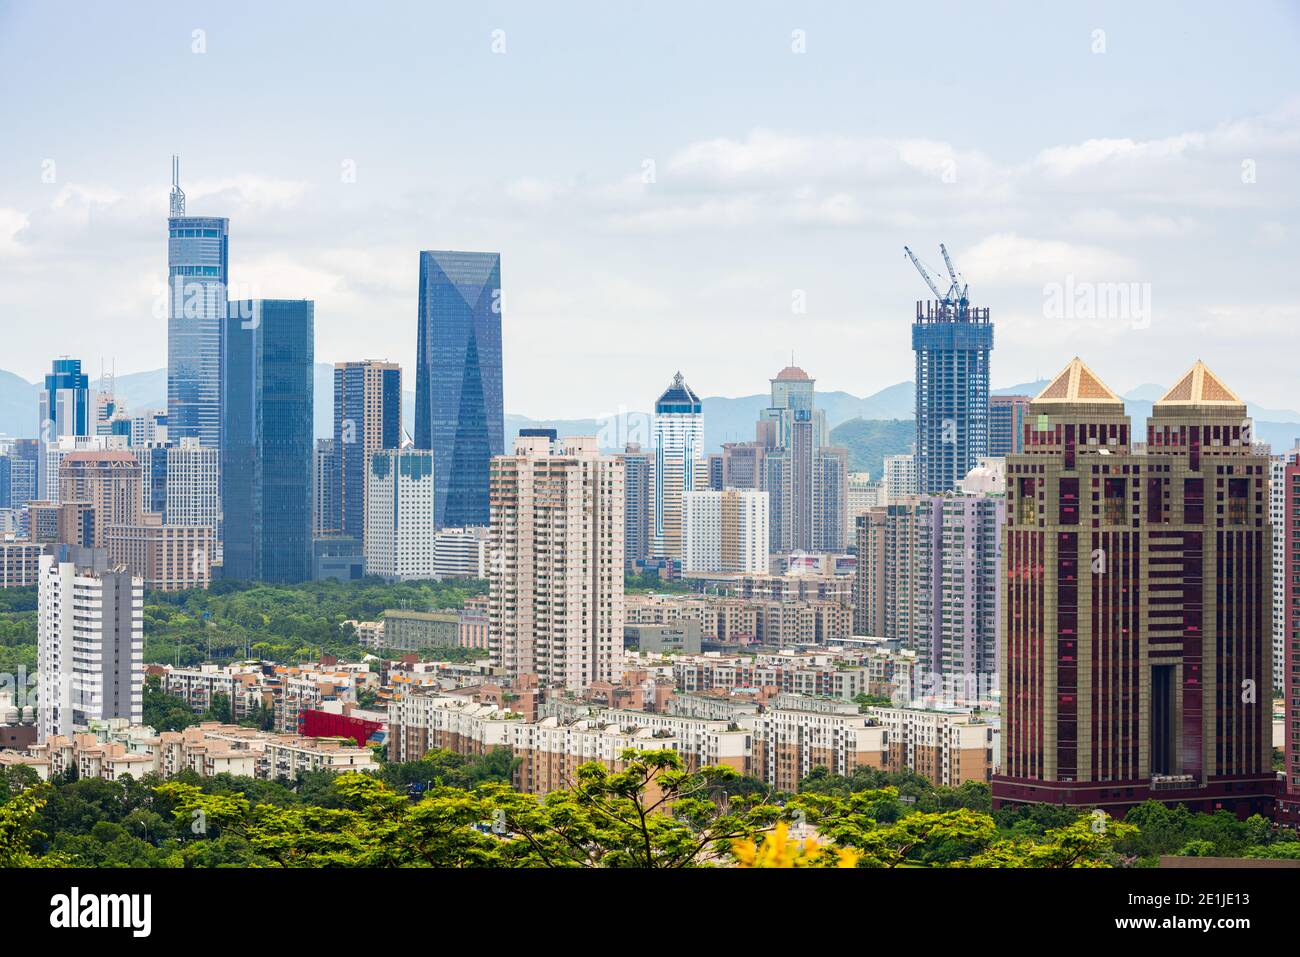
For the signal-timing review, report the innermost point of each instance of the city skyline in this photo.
(781, 226)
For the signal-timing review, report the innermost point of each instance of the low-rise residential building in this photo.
(791, 740)
(948, 747)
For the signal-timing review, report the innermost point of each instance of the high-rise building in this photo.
(1277, 517)
(165, 557)
(367, 418)
(742, 465)
(458, 404)
(638, 487)
(109, 482)
(871, 574)
(941, 577)
(266, 440)
(399, 528)
(198, 279)
(460, 553)
(193, 489)
(556, 581)
(325, 499)
(715, 471)
(1007, 424)
(680, 465)
(1136, 640)
(805, 478)
(90, 642)
(863, 493)
(64, 411)
(900, 477)
(1288, 530)
(148, 427)
(19, 464)
(952, 345)
(726, 531)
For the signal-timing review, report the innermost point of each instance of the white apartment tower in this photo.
(900, 478)
(726, 531)
(90, 642)
(399, 532)
(555, 604)
(680, 466)
(194, 487)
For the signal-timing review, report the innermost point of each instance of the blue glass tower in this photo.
(458, 407)
(64, 410)
(952, 343)
(198, 277)
(266, 440)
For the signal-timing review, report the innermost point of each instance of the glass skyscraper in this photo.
(952, 345)
(266, 440)
(458, 406)
(198, 274)
(64, 410)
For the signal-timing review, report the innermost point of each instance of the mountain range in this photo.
(871, 426)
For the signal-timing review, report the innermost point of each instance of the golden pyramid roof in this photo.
(1200, 386)
(1077, 383)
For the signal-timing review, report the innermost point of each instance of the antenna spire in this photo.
(178, 194)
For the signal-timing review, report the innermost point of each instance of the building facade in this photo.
(367, 418)
(1136, 642)
(680, 466)
(556, 582)
(726, 531)
(399, 526)
(266, 440)
(458, 405)
(198, 277)
(952, 345)
(90, 642)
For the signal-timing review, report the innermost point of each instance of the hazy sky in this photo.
(671, 185)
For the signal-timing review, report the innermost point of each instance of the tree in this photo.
(18, 831)
(1079, 844)
(652, 814)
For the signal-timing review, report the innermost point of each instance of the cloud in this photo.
(1008, 258)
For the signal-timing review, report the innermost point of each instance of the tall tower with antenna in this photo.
(198, 279)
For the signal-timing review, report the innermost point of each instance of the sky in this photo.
(711, 187)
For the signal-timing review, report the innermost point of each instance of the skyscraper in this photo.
(90, 642)
(680, 465)
(198, 282)
(458, 403)
(556, 580)
(1136, 638)
(952, 344)
(266, 440)
(64, 410)
(367, 418)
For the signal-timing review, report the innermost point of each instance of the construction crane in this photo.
(952, 274)
(955, 298)
(926, 276)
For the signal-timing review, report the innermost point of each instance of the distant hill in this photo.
(870, 440)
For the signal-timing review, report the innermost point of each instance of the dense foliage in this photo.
(451, 811)
(234, 620)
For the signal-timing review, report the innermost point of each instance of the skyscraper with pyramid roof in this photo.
(1135, 645)
(458, 402)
